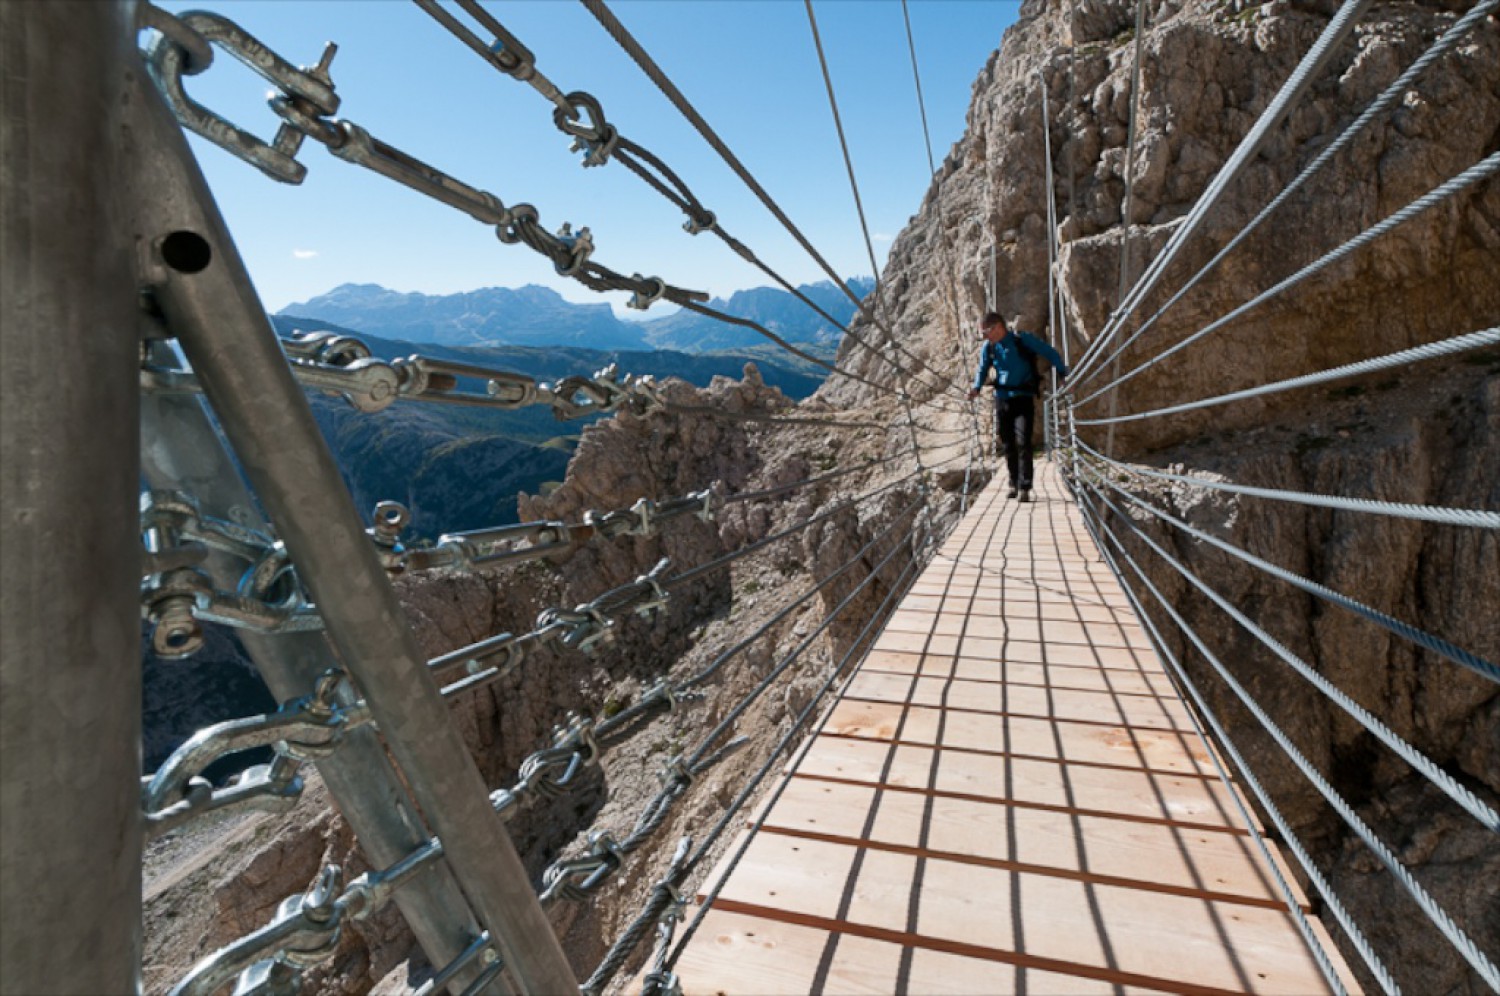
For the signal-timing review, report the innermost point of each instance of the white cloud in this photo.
(882, 237)
(304, 253)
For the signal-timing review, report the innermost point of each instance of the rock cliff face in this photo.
(1424, 434)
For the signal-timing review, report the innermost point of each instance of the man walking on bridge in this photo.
(1013, 356)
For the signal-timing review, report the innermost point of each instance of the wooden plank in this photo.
(746, 954)
(1223, 866)
(1008, 796)
(1141, 795)
(1169, 752)
(1104, 930)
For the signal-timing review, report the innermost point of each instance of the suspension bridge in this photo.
(1009, 780)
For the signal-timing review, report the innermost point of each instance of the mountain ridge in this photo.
(538, 316)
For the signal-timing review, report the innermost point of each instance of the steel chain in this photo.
(342, 366)
(301, 730)
(305, 930)
(305, 102)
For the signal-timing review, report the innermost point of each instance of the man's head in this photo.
(992, 326)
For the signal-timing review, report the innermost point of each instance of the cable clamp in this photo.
(647, 293)
(659, 596)
(579, 247)
(699, 221)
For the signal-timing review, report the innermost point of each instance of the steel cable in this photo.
(1183, 682)
(1460, 940)
(1427, 351)
(1422, 638)
(1291, 91)
(678, 873)
(1288, 835)
(1426, 513)
(633, 48)
(634, 156)
(695, 573)
(733, 715)
(1483, 169)
(730, 416)
(1378, 105)
(1419, 761)
(897, 591)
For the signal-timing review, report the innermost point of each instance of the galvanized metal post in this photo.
(208, 300)
(181, 451)
(70, 826)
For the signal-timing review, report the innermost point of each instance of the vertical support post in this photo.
(180, 450)
(1049, 415)
(1125, 212)
(70, 790)
(206, 296)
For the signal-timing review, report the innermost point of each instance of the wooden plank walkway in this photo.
(1008, 797)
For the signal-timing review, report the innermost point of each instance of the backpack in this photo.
(1033, 383)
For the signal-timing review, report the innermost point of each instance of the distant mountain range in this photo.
(538, 316)
(459, 467)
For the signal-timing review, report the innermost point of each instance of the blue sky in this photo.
(748, 66)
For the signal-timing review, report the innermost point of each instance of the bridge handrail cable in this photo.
(1183, 682)
(1381, 103)
(1465, 945)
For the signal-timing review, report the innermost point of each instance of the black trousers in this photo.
(1014, 418)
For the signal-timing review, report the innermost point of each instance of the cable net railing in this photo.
(1183, 531)
(208, 563)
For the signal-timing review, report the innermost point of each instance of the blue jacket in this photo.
(1015, 372)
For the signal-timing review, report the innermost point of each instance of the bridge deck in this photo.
(1008, 797)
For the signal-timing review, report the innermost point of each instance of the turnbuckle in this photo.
(169, 59)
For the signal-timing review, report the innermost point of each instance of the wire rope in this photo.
(1291, 91)
(1381, 103)
(642, 59)
(1419, 761)
(1439, 917)
(1422, 638)
(770, 677)
(1247, 775)
(754, 781)
(635, 157)
(1481, 170)
(1427, 513)
(713, 565)
(1427, 351)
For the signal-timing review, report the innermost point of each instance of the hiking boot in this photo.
(1011, 493)
(1025, 495)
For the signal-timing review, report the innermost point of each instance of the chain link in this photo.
(305, 102)
(305, 930)
(302, 730)
(342, 366)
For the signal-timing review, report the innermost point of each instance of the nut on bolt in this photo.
(169, 603)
